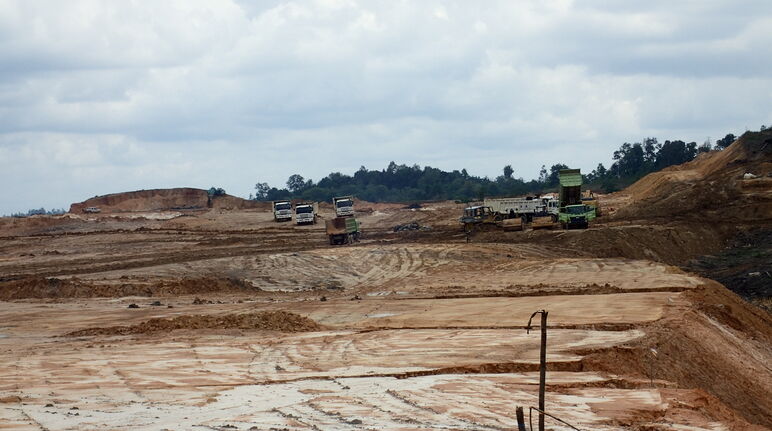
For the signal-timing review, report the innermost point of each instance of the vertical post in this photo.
(520, 419)
(542, 368)
(542, 362)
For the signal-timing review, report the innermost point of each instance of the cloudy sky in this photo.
(106, 96)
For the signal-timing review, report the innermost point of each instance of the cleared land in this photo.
(243, 323)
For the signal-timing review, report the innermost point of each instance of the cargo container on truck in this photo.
(342, 230)
(522, 207)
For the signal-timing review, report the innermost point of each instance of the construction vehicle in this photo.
(344, 206)
(477, 216)
(573, 213)
(544, 221)
(588, 198)
(282, 210)
(343, 230)
(522, 207)
(511, 224)
(305, 213)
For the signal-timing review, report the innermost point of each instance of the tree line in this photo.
(403, 183)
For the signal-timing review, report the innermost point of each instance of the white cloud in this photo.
(99, 97)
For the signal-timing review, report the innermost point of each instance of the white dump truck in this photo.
(344, 206)
(305, 213)
(523, 207)
(282, 210)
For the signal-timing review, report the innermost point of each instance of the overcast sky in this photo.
(103, 96)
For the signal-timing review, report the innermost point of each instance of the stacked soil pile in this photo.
(710, 188)
(52, 288)
(265, 320)
(718, 343)
(163, 200)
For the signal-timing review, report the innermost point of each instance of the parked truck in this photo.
(305, 213)
(344, 206)
(282, 210)
(522, 207)
(342, 230)
(573, 212)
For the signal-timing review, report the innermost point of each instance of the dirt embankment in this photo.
(718, 344)
(745, 266)
(265, 320)
(710, 189)
(163, 200)
(52, 288)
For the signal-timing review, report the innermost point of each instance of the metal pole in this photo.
(542, 362)
(542, 368)
(520, 419)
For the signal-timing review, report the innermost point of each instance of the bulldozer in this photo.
(478, 216)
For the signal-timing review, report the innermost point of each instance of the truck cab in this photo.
(305, 213)
(576, 216)
(551, 206)
(344, 206)
(282, 210)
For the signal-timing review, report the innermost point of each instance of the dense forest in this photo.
(402, 183)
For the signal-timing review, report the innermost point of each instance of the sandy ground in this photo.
(420, 330)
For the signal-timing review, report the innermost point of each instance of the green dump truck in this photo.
(343, 230)
(573, 212)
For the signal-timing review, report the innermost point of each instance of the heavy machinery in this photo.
(573, 213)
(477, 216)
(344, 206)
(343, 230)
(588, 198)
(525, 207)
(544, 221)
(576, 216)
(282, 210)
(305, 213)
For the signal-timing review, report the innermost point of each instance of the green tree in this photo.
(261, 191)
(725, 141)
(553, 178)
(508, 171)
(296, 183)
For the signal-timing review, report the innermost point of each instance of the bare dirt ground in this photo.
(219, 318)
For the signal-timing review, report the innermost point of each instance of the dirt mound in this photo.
(47, 288)
(163, 200)
(265, 320)
(718, 343)
(711, 187)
